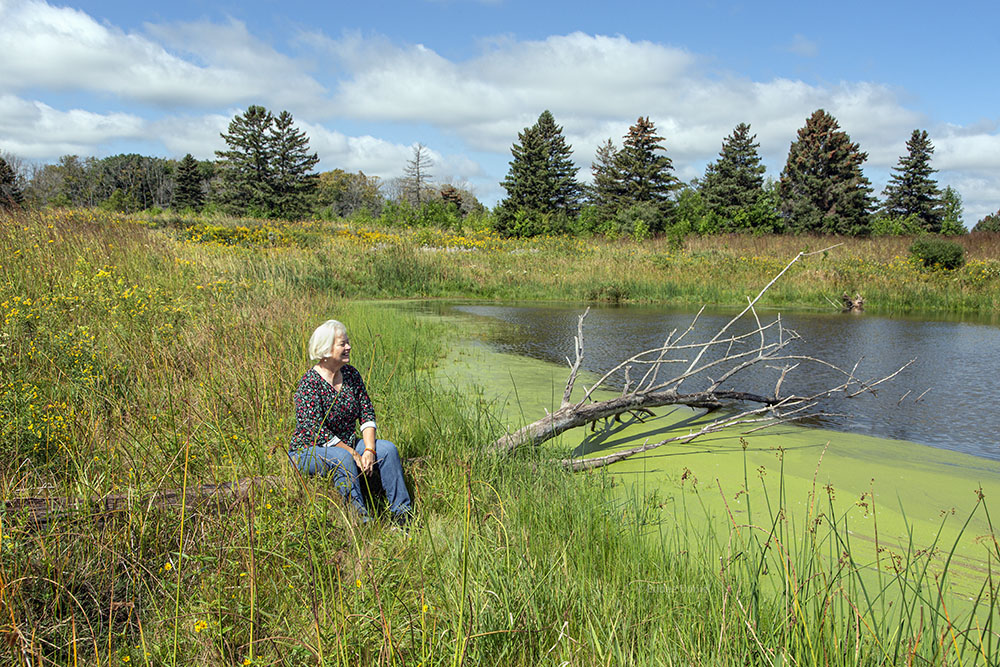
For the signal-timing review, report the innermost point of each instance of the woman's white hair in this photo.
(322, 339)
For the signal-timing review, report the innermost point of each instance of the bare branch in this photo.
(763, 346)
(575, 366)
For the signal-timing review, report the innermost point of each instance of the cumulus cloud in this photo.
(64, 49)
(37, 131)
(182, 82)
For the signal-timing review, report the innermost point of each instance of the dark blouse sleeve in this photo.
(310, 428)
(367, 416)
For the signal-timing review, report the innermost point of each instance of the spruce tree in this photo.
(11, 196)
(951, 204)
(293, 181)
(646, 172)
(606, 192)
(734, 182)
(822, 188)
(542, 177)
(911, 190)
(187, 188)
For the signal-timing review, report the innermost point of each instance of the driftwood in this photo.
(852, 304)
(724, 356)
(38, 512)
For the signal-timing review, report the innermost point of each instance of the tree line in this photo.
(267, 170)
(634, 191)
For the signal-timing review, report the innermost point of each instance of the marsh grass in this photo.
(133, 360)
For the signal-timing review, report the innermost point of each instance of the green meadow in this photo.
(146, 373)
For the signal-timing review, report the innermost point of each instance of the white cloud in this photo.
(64, 49)
(35, 130)
(595, 85)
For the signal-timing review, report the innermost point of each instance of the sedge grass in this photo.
(133, 361)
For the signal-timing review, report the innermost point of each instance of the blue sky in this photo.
(367, 81)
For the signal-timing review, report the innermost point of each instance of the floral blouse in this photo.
(323, 416)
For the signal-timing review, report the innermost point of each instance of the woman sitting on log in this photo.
(330, 399)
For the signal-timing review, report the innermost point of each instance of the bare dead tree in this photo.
(705, 366)
(417, 174)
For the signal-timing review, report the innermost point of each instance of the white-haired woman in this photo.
(330, 400)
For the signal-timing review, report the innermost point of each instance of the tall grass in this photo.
(133, 362)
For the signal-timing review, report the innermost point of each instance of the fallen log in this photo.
(710, 364)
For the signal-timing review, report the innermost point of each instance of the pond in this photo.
(944, 399)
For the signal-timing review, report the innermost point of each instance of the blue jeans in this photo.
(349, 480)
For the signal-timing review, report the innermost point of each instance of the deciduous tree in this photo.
(911, 190)
(346, 194)
(822, 188)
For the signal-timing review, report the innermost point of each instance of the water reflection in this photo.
(944, 399)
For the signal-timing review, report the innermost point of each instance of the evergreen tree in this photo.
(542, 177)
(187, 191)
(734, 182)
(246, 167)
(606, 192)
(911, 190)
(268, 167)
(951, 204)
(822, 188)
(11, 196)
(646, 172)
(293, 183)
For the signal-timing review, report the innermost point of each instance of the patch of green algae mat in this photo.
(921, 494)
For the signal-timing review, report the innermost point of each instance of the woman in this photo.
(329, 400)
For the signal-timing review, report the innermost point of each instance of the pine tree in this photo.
(822, 188)
(246, 166)
(734, 182)
(11, 196)
(606, 192)
(911, 190)
(293, 183)
(646, 172)
(187, 188)
(542, 177)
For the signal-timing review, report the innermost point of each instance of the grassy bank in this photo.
(137, 358)
(364, 262)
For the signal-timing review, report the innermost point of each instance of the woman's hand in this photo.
(367, 461)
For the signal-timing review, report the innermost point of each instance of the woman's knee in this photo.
(386, 448)
(324, 460)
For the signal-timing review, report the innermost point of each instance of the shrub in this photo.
(887, 225)
(937, 252)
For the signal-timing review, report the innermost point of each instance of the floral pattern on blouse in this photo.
(323, 416)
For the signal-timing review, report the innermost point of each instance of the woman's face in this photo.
(340, 353)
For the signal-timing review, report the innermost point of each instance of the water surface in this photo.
(944, 399)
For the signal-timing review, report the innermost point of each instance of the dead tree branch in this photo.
(726, 355)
